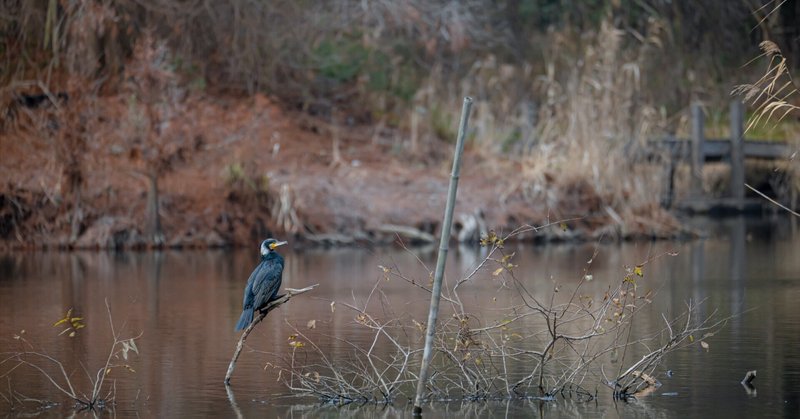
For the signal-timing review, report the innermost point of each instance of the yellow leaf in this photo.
(498, 271)
(638, 270)
(691, 338)
(492, 238)
(72, 334)
(296, 344)
(108, 371)
(563, 226)
(419, 325)
(65, 319)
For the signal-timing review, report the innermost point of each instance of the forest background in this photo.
(130, 123)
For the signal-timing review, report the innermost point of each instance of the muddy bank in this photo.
(250, 169)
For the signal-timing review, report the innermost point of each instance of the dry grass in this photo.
(580, 138)
(774, 97)
(773, 94)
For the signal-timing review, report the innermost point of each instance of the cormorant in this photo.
(264, 282)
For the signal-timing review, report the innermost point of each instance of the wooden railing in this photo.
(698, 150)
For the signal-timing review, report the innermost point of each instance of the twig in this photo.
(772, 200)
(261, 314)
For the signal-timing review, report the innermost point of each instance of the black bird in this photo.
(264, 282)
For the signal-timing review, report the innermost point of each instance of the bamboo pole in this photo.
(436, 292)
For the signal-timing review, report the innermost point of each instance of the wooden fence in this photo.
(698, 150)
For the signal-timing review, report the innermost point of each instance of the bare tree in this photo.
(156, 144)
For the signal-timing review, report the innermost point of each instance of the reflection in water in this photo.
(186, 304)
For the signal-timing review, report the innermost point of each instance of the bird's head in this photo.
(270, 245)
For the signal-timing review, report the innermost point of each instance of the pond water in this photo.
(185, 304)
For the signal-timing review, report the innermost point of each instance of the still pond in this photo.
(185, 305)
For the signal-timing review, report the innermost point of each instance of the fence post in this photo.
(737, 153)
(697, 157)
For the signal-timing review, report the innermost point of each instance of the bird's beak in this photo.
(276, 244)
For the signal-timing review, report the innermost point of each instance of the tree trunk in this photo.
(77, 211)
(154, 232)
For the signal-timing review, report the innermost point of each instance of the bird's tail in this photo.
(245, 319)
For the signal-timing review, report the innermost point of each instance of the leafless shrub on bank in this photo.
(679, 333)
(546, 345)
(373, 375)
(102, 389)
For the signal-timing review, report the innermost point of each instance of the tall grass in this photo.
(574, 130)
(775, 96)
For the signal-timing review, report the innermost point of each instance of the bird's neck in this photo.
(271, 256)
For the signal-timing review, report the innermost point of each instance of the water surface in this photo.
(185, 304)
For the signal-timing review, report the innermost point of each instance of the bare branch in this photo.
(261, 314)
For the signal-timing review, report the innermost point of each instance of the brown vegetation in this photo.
(330, 121)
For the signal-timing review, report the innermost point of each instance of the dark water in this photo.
(186, 303)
